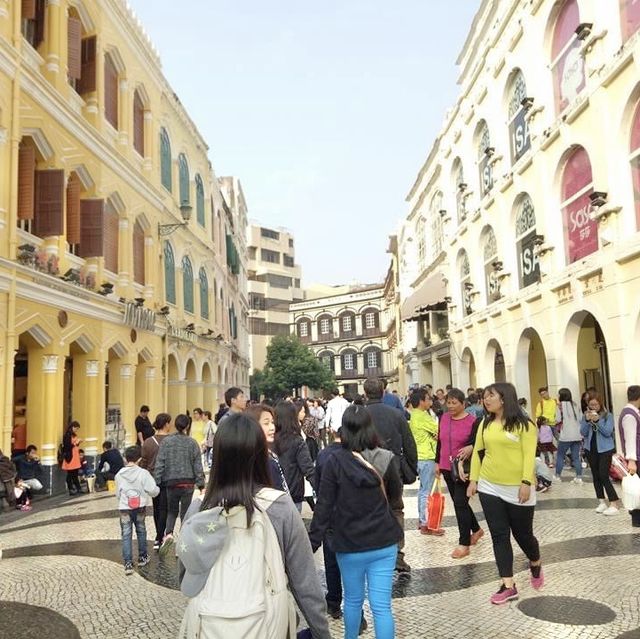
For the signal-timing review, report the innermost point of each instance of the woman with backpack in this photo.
(241, 515)
(179, 470)
(71, 458)
(360, 485)
(570, 439)
(292, 451)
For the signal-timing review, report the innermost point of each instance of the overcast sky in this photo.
(324, 109)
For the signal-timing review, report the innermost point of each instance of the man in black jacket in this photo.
(394, 435)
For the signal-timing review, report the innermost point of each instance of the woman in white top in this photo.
(570, 439)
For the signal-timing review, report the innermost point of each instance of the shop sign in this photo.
(486, 175)
(581, 233)
(528, 264)
(571, 75)
(519, 134)
(139, 317)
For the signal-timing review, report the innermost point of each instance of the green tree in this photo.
(291, 365)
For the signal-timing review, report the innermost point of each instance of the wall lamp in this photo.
(139, 301)
(72, 275)
(106, 288)
(190, 327)
(167, 229)
(600, 207)
(164, 310)
(583, 30)
(497, 265)
(490, 151)
(527, 103)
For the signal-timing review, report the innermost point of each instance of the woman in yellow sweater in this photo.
(502, 471)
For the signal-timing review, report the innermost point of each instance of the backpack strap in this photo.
(267, 496)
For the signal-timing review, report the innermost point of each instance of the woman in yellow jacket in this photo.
(503, 471)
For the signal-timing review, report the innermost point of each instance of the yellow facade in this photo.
(92, 338)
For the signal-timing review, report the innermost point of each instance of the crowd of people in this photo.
(349, 459)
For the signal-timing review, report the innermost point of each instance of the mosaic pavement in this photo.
(61, 570)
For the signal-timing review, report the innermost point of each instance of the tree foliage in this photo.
(289, 366)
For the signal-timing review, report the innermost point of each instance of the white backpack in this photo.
(246, 594)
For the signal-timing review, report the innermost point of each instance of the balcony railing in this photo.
(373, 372)
(348, 373)
(326, 337)
(371, 332)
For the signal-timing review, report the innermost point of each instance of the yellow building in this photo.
(122, 264)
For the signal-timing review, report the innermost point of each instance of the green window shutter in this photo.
(165, 160)
(204, 294)
(183, 168)
(169, 274)
(187, 284)
(229, 244)
(200, 201)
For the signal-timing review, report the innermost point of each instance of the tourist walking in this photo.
(629, 427)
(144, 428)
(354, 502)
(71, 457)
(210, 429)
(568, 416)
(236, 501)
(309, 427)
(179, 470)
(292, 451)
(333, 415)
(150, 448)
(546, 408)
(456, 437)
(597, 429)
(236, 402)
(503, 471)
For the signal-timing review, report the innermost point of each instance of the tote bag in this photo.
(435, 506)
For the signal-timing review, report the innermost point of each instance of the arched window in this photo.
(372, 361)
(580, 232)
(138, 253)
(465, 282)
(325, 328)
(111, 91)
(518, 125)
(436, 213)
(490, 255)
(528, 267)
(422, 242)
(187, 284)
(567, 62)
(138, 123)
(304, 330)
(484, 158)
(629, 18)
(370, 321)
(460, 188)
(327, 359)
(169, 274)
(635, 162)
(349, 363)
(347, 323)
(165, 159)
(183, 173)
(199, 200)
(204, 294)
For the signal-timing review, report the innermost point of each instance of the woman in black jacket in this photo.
(292, 451)
(360, 483)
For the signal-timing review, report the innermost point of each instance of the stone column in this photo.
(94, 418)
(127, 401)
(54, 56)
(124, 115)
(125, 259)
(149, 141)
(47, 428)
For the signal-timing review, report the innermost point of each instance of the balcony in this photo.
(348, 374)
(348, 334)
(373, 372)
(326, 337)
(371, 332)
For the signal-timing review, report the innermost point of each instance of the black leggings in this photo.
(503, 519)
(467, 522)
(600, 463)
(73, 481)
(178, 502)
(160, 513)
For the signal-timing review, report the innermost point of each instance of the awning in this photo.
(431, 293)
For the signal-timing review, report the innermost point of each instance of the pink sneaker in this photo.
(537, 582)
(504, 595)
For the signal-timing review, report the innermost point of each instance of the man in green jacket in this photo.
(424, 428)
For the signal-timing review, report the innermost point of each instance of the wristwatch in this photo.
(525, 482)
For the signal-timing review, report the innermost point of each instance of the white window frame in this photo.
(370, 320)
(349, 361)
(304, 329)
(347, 323)
(372, 356)
(325, 323)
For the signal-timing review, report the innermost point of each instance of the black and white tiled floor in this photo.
(61, 570)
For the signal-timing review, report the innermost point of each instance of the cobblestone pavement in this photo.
(61, 577)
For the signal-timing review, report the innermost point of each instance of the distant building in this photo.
(274, 282)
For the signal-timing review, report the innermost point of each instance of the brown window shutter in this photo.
(91, 228)
(28, 9)
(41, 10)
(26, 181)
(138, 124)
(49, 203)
(111, 232)
(110, 92)
(87, 82)
(74, 42)
(73, 209)
(138, 254)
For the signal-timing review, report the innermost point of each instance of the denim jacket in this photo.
(604, 430)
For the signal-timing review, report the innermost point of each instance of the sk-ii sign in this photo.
(519, 134)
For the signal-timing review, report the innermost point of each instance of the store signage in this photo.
(571, 75)
(139, 317)
(581, 233)
(528, 264)
(519, 134)
(486, 175)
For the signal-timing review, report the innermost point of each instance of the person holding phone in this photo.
(597, 427)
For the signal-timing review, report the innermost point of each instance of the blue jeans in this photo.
(129, 519)
(574, 447)
(376, 568)
(427, 473)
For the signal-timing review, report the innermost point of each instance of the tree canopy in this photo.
(289, 366)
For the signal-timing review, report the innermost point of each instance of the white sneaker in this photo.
(612, 510)
(557, 478)
(577, 480)
(601, 508)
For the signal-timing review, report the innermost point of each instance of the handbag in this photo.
(631, 492)
(618, 469)
(435, 506)
(456, 461)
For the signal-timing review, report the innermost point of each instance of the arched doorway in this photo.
(495, 362)
(468, 376)
(194, 398)
(208, 389)
(530, 371)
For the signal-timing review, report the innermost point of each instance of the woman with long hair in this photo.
(292, 451)
(597, 428)
(71, 457)
(263, 415)
(238, 478)
(455, 442)
(179, 470)
(309, 427)
(503, 471)
(360, 485)
(569, 438)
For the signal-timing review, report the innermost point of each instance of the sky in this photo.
(325, 110)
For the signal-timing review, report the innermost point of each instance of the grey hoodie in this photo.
(132, 481)
(179, 459)
(298, 561)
